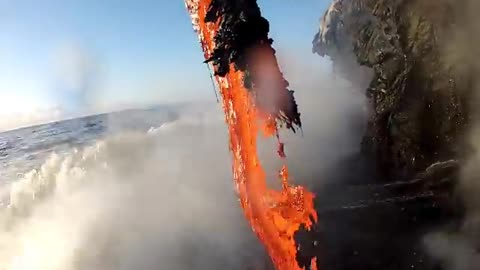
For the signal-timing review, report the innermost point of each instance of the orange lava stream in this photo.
(274, 215)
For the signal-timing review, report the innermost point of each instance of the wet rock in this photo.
(418, 99)
(377, 217)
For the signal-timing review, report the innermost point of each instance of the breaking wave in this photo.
(164, 199)
(132, 201)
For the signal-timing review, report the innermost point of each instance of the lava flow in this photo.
(274, 215)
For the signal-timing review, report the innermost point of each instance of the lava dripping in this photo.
(274, 215)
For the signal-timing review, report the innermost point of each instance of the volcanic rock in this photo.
(418, 99)
(402, 185)
(242, 43)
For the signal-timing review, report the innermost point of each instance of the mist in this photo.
(457, 249)
(133, 201)
(165, 199)
(333, 112)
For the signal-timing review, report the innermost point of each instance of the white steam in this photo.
(460, 249)
(165, 199)
(136, 201)
(75, 67)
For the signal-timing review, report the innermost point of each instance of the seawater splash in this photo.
(108, 205)
(274, 215)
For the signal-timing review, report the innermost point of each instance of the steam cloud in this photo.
(166, 200)
(136, 201)
(459, 249)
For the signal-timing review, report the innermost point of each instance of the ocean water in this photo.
(148, 189)
(132, 190)
(24, 149)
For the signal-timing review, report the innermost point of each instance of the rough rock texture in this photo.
(417, 98)
(376, 217)
(380, 226)
(242, 43)
(415, 53)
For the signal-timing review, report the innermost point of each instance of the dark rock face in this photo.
(376, 216)
(418, 100)
(379, 226)
(242, 43)
(401, 186)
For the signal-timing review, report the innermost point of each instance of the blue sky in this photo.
(71, 53)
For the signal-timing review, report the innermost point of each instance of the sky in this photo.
(73, 56)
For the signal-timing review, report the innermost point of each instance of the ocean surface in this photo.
(136, 189)
(148, 188)
(25, 149)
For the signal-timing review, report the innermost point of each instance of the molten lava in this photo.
(274, 215)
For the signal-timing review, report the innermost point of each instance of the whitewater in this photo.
(129, 190)
(152, 188)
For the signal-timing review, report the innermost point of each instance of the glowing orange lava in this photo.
(274, 215)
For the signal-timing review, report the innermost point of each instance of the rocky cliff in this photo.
(419, 57)
(417, 96)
